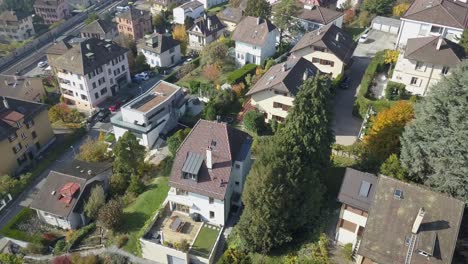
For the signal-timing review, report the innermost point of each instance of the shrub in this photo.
(239, 74)
(62, 260)
(10, 258)
(36, 248)
(395, 91)
(10, 229)
(60, 247)
(111, 214)
(79, 234)
(347, 251)
(114, 258)
(122, 241)
(254, 121)
(337, 81)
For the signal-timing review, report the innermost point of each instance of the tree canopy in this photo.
(280, 201)
(96, 200)
(378, 7)
(258, 8)
(93, 151)
(254, 121)
(284, 10)
(174, 141)
(180, 34)
(464, 40)
(110, 215)
(434, 144)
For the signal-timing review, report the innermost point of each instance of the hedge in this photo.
(395, 91)
(79, 235)
(10, 229)
(172, 77)
(239, 74)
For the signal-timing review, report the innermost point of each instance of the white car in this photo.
(142, 76)
(42, 64)
(363, 37)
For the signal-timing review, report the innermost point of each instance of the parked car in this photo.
(363, 37)
(344, 83)
(142, 76)
(116, 106)
(102, 115)
(42, 64)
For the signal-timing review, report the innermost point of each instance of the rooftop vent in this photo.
(88, 46)
(52, 193)
(398, 194)
(5, 103)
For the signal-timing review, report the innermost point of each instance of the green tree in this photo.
(254, 121)
(464, 40)
(378, 7)
(136, 185)
(96, 200)
(10, 258)
(364, 18)
(284, 10)
(91, 18)
(215, 53)
(174, 141)
(119, 183)
(258, 8)
(110, 215)
(129, 154)
(93, 151)
(141, 64)
(392, 167)
(434, 144)
(159, 21)
(304, 144)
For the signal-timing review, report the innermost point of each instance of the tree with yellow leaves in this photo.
(180, 34)
(400, 9)
(383, 138)
(391, 56)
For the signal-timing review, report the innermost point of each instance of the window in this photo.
(171, 50)
(123, 67)
(103, 91)
(109, 71)
(420, 66)
(29, 124)
(21, 159)
(23, 135)
(211, 200)
(19, 124)
(111, 81)
(34, 134)
(12, 137)
(81, 86)
(445, 70)
(181, 192)
(237, 183)
(94, 85)
(315, 60)
(436, 30)
(414, 81)
(17, 148)
(38, 146)
(319, 49)
(278, 118)
(212, 214)
(237, 166)
(96, 95)
(84, 97)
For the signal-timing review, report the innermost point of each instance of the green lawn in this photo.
(142, 209)
(205, 240)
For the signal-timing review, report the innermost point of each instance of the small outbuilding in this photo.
(386, 24)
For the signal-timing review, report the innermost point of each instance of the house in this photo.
(52, 11)
(134, 23)
(425, 61)
(25, 132)
(16, 26)
(313, 16)
(210, 3)
(100, 29)
(160, 50)
(408, 223)
(274, 93)
(162, 5)
(424, 18)
(255, 40)
(206, 184)
(60, 201)
(329, 48)
(230, 17)
(24, 88)
(205, 30)
(90, 71)
(151, 114)
(192, 9)
(356, 194)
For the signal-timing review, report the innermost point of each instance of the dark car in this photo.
(126, 98)
(102, 115)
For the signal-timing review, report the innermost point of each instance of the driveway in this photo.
(376, 41)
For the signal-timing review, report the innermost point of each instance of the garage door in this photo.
(175, 260)
(376, 26)
(394, 30)
(385, 28)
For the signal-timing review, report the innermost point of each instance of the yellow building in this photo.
(25, 132)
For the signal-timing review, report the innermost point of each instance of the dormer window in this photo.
(192, 166)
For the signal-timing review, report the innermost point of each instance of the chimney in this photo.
(88, 46)
(439, 43)
(285, 67)
(90, 172)
(305, 75)
(5, 103)
(209, 158)
(259, 20)
(418, 220)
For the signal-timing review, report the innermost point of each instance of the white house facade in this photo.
(160, 50)
(210, 3)
(205, 30)
(193, 9)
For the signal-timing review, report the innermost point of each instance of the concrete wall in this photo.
(159, 253)
(264, 102)
(415, 29)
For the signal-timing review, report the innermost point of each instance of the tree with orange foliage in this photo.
(180, 34)
(400, 9)
(211, 72)
(238, 88)
(383, 138)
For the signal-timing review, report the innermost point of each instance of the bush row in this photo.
(239, 74)
(79, 234)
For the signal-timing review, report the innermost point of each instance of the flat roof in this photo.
(153, 97)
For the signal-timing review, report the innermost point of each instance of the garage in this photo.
(386, 24)
(175, 260)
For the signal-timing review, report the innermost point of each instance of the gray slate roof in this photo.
(76, 61)
(133, 14)
(443, 12)
(350, 191)
(285, 77)
(17, 109)
(157, 43)
(99, 26)
(326, 37)
(320, 15)
(228, 147)
(253, 30)
(391, 220)
(425, 50)
(231, 14)
(202, 24)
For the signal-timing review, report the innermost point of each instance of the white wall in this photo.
(54, 220)
(180, 13)
(159, 253)
(210, 3)
(415, 29)
(256, 54)
(164, 59)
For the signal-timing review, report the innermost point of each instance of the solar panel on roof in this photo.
(193, 163)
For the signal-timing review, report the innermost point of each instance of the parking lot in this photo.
(376, 41)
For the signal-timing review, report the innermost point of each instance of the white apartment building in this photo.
(193, 9)
(160, 50)
(255, 40)
(356, 194)
(274, 93)
(205, 30)
(149, 115)
(425, 61)
(16, 27)
(424, 18)
(90, 71)
(329, 48)
(210, 3)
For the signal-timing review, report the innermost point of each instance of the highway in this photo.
(30, 61)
